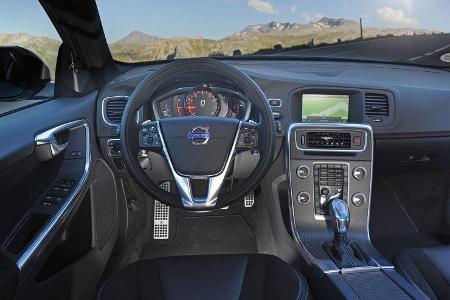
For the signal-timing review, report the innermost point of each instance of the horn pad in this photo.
(199, 146)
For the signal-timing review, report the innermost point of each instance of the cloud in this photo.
(293, 8)
(311, 17)
(395, 16)
(262, 6)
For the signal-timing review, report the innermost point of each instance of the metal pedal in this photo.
(161, 217)
(249, 200)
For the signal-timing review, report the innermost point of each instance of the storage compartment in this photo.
(412, 154)
(25, 233)
(75, 242)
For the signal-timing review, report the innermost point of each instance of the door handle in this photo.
(54, 141)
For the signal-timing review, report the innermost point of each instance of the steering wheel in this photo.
(197, 148)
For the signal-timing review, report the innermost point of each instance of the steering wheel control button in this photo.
(359, 173)
(358, 199)
(248, 137)
(303, 172)
(303, 198)
(149, 135)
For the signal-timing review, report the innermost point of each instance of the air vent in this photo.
(339, 140)
(114, 109)
(376, 105)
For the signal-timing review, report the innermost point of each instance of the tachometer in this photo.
(202, 102)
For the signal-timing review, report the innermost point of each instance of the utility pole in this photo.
(361, 28)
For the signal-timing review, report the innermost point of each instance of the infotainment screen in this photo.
(325, 108)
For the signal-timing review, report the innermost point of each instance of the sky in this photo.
(220, 18)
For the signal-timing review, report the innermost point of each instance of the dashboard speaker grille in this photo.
(376, 105)
(340, 140)
(114, 109)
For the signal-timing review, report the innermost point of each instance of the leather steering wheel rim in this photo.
(146, 91)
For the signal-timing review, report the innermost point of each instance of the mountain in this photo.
(136, 38)
(278, 27)
(265, 28)
(140, 46)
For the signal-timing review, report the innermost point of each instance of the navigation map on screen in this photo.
(325, 108)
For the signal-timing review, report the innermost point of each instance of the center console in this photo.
(326, 162)
(330, 175)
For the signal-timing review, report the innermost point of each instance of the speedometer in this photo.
(202, 102)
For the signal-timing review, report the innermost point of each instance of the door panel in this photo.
(50, 175)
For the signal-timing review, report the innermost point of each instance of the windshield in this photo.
(414, 31)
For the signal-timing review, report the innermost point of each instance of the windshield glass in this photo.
(407, 31)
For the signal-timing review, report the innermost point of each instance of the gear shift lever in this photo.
(343, 253)
(340, 216)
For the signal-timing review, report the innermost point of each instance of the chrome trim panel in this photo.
(281, 102)
(341, 127)
(32, 251)
(139, 114)
(104, 101)
(215, 181)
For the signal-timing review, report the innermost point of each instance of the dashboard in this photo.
(407, 106)
(203, 100)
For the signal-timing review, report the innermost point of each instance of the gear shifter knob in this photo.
(340, 215)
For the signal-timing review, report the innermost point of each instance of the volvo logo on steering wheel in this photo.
(199, 135)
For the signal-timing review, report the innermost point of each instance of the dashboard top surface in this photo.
(420, 95)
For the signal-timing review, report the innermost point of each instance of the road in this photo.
(414, 49)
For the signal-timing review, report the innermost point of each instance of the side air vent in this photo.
(376, 105)
(339, 140)
(113, 108)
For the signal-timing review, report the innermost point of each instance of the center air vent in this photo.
(376, 105)
(114, 107)
(321, 139)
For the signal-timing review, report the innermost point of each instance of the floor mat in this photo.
(391, 227)
(205, 235)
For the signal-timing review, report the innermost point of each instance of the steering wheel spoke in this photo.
(149, 137)
(214, 182)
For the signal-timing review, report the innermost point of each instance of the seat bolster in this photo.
(220, 277)
(440, 257)
(427, 269)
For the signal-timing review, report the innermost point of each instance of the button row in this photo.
(58, 192)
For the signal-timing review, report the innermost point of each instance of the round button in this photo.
(359, 173)
(303, 198)
(302, 172)
(358, 199)
(324, 191)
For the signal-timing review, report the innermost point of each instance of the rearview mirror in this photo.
(22, 73)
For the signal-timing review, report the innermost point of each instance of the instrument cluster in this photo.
(202, 101)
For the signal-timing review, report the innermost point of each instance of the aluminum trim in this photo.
(31, 252)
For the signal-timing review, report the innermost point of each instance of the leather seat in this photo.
(216, 277)
(426, 268)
